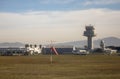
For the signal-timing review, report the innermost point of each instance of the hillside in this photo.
(109, 41)
(14, 44)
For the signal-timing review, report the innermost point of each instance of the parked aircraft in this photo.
(78, 51)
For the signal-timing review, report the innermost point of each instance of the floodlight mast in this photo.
(89, 33)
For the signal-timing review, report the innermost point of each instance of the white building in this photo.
(33, 49)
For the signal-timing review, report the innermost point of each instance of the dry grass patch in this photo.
(63, 67)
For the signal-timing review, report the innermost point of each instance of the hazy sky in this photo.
(39, 21)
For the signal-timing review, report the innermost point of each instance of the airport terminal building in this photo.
(35, 50)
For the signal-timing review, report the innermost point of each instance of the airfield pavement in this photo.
(62, 67)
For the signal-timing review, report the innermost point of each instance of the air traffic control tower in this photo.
(89, 33)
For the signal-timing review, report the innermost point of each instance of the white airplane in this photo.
(79, 51)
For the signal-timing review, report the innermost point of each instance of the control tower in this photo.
(89, 33)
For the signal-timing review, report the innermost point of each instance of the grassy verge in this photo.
(63, 67)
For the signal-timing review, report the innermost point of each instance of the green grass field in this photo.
(63, 67)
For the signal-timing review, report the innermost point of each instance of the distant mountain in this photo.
(7, 44)
(109, 41)
(74, 43)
